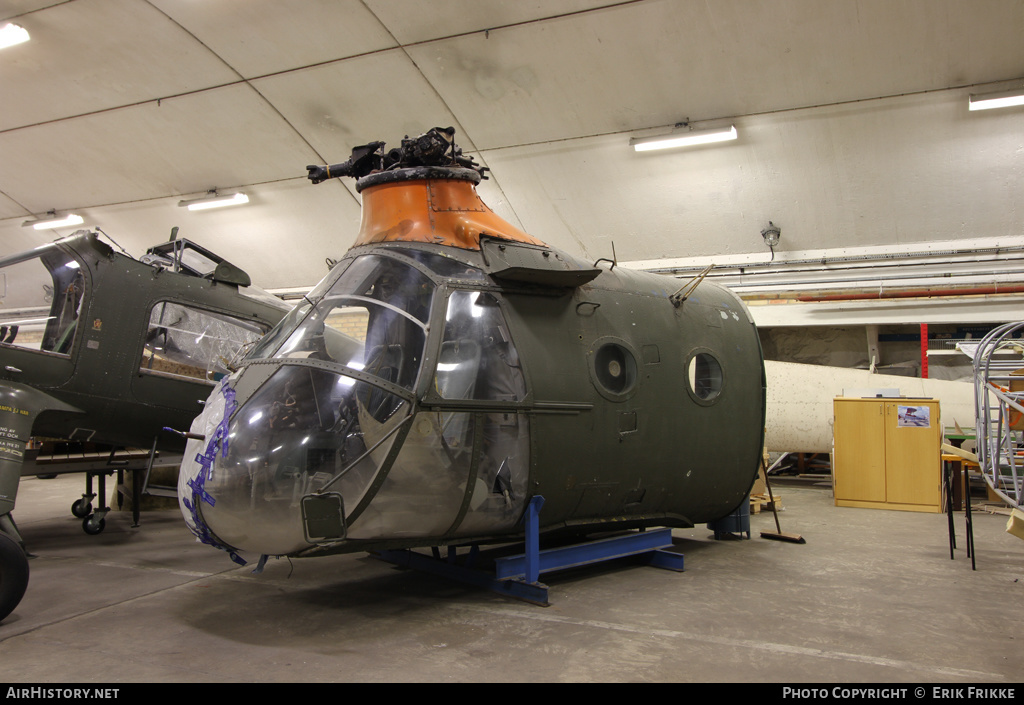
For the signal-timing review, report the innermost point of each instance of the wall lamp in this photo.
(1004, 99)
(214, 200)
(771, 236)
(11, 34)
(683, 138)
(52, 220)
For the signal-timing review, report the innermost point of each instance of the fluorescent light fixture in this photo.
(64, 221)
(11, 34)
(684, 138)
(213, 200)
(988, 101)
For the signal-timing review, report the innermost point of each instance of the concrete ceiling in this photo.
(852, 119)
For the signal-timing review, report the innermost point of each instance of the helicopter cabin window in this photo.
(372, 319)
(41, 299)
(182, 341)
(478, 359)
(269, 343)
(704, 378)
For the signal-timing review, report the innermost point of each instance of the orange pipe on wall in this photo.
(916, 293)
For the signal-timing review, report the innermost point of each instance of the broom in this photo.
(776, 535)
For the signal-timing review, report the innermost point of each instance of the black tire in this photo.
(81, 508)
(93, 526)
(13, 574)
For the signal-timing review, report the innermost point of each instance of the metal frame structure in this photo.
(999, 411)
(518, 576)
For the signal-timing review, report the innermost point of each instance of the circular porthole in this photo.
(613, 369)
(704, 377)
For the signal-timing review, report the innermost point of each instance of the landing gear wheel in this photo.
(93, 525)
(82, 508)
(13, 574)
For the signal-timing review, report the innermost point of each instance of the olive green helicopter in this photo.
(451, 368)
(99, 352)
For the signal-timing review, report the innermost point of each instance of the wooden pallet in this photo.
(992, 508)
(759, 502)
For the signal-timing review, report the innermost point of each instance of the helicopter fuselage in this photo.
(431, 399)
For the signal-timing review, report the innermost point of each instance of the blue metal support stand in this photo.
(518, 576)
(532, 544)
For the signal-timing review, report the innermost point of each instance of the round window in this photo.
(704, 375)
(614, 370)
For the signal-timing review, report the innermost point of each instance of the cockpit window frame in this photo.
(213, 315)
(316, 303)
(444, 287)
(427, 391)
(82, 307)
(377, 302)
(328, 282)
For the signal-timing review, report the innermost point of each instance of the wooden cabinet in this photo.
(886, 454)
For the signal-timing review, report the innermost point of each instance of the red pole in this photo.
(924, 351)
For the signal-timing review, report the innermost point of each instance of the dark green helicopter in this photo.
(450, 368)
(99, 348)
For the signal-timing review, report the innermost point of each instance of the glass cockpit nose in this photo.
(346, 360)
(303, 430)
(338, 414)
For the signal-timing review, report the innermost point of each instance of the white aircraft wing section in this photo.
(799, 401)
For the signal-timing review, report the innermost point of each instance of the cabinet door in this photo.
(912, 453)
(859, 450)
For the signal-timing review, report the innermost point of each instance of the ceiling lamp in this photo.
(684, 138)
(988, 101)
(53, 221)
(214, 200)
(11, 34)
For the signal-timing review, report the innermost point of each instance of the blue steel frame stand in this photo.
(518, 576)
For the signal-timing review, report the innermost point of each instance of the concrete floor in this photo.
(871, 597)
